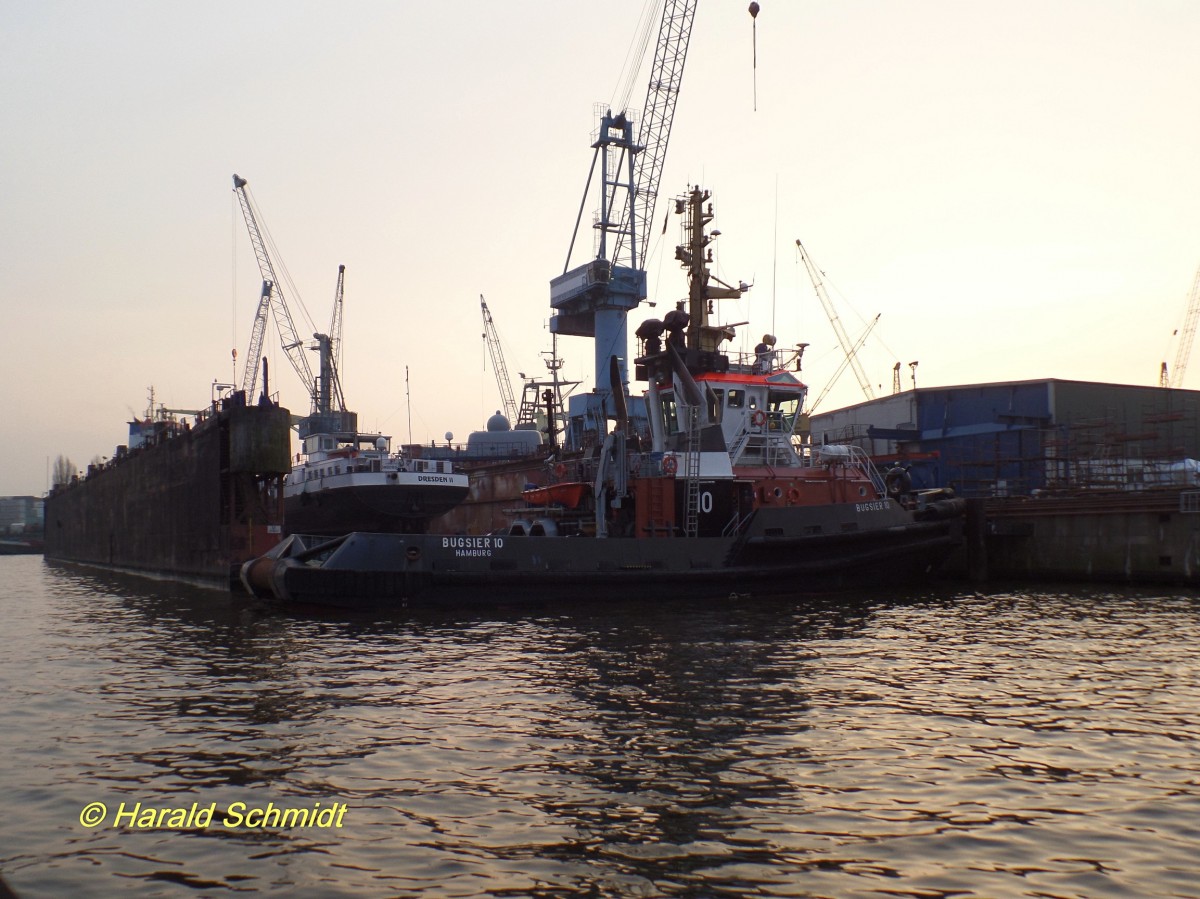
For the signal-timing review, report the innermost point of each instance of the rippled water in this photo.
(1042, 744)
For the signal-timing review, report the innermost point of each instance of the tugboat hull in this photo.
(373, 571)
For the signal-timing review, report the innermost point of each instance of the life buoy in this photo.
(669, 465)
(794, 495)
(758, 418)
(898, 482)
(560, 470)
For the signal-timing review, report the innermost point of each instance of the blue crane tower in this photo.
(594, 299)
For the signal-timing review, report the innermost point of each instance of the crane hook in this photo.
(754, 8)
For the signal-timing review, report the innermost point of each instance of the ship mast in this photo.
(695, 253)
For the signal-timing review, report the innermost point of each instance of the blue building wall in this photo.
(1017, 437)
(988, 437)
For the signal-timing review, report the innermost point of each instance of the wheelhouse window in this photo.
(670, 413)
(716, 400)
(784, 407)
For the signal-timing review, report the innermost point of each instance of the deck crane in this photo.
(851, 351)
(272, 298)
(593, 299)
(493, 344)
(1187, 336)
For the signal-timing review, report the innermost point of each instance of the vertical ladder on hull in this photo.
(692, 473)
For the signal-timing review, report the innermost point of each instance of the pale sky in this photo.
(1015, 187)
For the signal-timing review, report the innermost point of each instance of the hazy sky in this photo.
(1013, 186)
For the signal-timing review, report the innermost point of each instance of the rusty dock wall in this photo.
(191, 507)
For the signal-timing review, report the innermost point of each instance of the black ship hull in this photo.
(374, 507)
(192, 505)
(372, 571)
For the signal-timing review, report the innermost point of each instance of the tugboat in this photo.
(706, 486)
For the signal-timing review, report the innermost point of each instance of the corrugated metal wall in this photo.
(1014, 438)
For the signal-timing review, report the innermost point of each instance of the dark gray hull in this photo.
(383, 508)
(374, 571)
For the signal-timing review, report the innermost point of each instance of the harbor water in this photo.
(158, 740)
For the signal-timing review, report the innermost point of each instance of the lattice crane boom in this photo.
(273, 298)
(335, 341)
(593, 299)
(841, 368)
(507, 399)
(257, 333)
(658, 115)
(850, 350)
(1187, 334)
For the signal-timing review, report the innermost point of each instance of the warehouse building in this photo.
(1023, 438)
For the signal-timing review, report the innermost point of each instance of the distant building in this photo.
(21, 513)
(1023, 437)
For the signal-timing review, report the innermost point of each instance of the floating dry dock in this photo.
(1075, 479)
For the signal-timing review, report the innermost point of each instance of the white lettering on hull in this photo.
(471, 547)
(878, 506)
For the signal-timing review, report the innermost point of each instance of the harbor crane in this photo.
(594, 299)
(848, 360)
(324, 390)
(330, 379)
(851, 351)
(658, 115)
(1187, 336)
(272, 299)
(507, 399)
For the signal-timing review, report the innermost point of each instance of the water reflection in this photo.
(923, 745)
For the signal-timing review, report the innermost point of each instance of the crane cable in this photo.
(635, 56)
